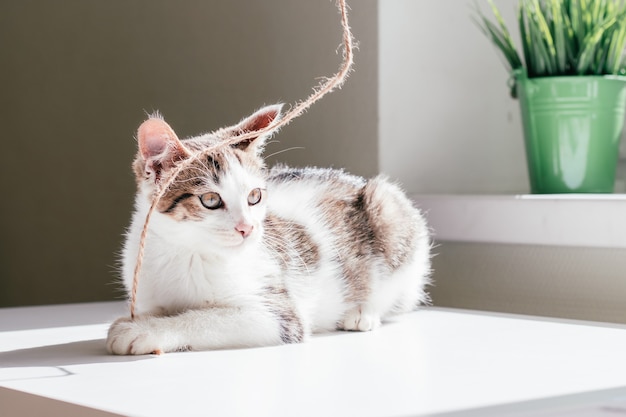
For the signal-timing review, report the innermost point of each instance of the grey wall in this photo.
(77, 77)
(566, 282)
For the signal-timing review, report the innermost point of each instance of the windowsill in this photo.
(582, 220)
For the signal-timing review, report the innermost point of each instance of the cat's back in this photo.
(355, 210)
(315, 181)
(310, 192)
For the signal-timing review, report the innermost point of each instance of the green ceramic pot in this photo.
(572, 128)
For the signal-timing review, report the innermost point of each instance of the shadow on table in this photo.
(33, 361)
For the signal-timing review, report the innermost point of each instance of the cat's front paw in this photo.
(359, 320)
(133, 337)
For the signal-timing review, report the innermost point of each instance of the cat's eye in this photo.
(212, 201)
(255, 196)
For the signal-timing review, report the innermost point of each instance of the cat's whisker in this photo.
(287, 248)
(285, 150)
(278, 254)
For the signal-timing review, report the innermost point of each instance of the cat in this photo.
(240, 255)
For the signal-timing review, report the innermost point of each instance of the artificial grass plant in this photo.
(562, 37)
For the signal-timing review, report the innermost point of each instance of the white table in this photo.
(53, 362)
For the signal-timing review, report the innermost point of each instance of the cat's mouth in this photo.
(236, 240)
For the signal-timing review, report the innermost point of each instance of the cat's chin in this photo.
(234, 245)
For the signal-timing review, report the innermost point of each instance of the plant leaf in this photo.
(522, 19)
(578, 25)
(538, 16)
(541, 45)
(616, 47)
(589, 45)
(562, 37)
(500, 36)
(560, 32)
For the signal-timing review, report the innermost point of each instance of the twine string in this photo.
(326, 86)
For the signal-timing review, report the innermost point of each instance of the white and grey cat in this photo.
(238, 255)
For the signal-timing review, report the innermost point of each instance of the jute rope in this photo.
(326, 86)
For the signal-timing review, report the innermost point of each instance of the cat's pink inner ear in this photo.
(261, 119)
(156, 138)
(257, 121)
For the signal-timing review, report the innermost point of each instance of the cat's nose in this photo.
(244, 228)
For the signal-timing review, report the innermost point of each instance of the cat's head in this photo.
(218, 199)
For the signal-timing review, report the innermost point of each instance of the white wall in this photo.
(447, 123)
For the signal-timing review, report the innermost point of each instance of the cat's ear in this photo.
(159, 146)
(257, 121)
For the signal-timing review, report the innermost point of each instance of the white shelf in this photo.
(582, 220)
(427, 362)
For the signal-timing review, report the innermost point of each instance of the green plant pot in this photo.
(572, 128)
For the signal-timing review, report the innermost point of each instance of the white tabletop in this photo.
(428, 362)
